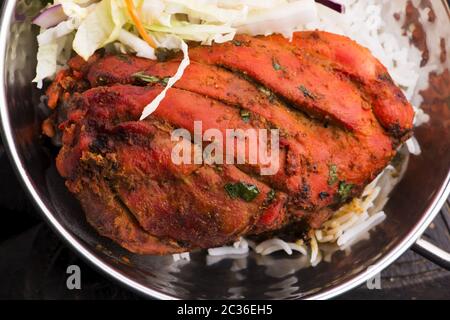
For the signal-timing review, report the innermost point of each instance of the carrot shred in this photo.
(139, 26)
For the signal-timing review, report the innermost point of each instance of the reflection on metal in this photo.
(432, 252)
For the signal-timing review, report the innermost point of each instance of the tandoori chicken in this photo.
(340, 116)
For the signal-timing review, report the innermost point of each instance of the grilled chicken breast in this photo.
(339, 114)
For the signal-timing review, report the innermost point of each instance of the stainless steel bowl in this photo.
(413, 205)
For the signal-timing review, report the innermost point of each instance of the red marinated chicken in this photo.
(339, 114)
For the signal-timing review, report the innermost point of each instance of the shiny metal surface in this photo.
(431, 251)
(428, 249)
(413, 205)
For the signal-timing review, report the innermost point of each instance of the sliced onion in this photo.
(335, 5)
(50, 17)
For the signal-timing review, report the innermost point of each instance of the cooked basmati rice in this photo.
(413, 146)
(239, 247)
(273, 245)
(181, 256)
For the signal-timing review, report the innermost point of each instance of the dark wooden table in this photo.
(33, 260)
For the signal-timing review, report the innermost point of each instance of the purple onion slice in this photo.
(50, 17)
(334, 5)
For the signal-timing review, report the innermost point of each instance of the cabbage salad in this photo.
(142, 26)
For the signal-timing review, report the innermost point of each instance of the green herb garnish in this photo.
(245, 115)
(165, 81)
(276, 65)
(344, 190)
(307, 93)
(271, 195)
(146, 78)
(151, 79)
(269, 198)
(246, 192)
(232, 190)
(236, 43)
(124, 58)
(267, 93)
(332, 174)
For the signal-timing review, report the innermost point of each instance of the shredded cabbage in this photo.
(170, 43)
(101, 26)
(76, 9)
(136, 44)
(52, 35)
(52, 57)
(197, 32)
(47, 55)
(93, 24)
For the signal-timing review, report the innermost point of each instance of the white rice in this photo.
(372, 24)
(413, 146)
(274, 245)
(181, 256)
(239, 247)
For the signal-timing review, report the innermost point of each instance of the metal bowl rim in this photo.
(7, 13)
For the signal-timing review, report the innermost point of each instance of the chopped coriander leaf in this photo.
(276, 65)
(267, 93)
(344, 190)
(146, 78)
(307, 93)
(332, 174)
(232, 190)
(246, 192)
(245, 115)
(165, 81)
(264, 90)
(236, 43)
(151, 79)
(271, 195)
(124, 58)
